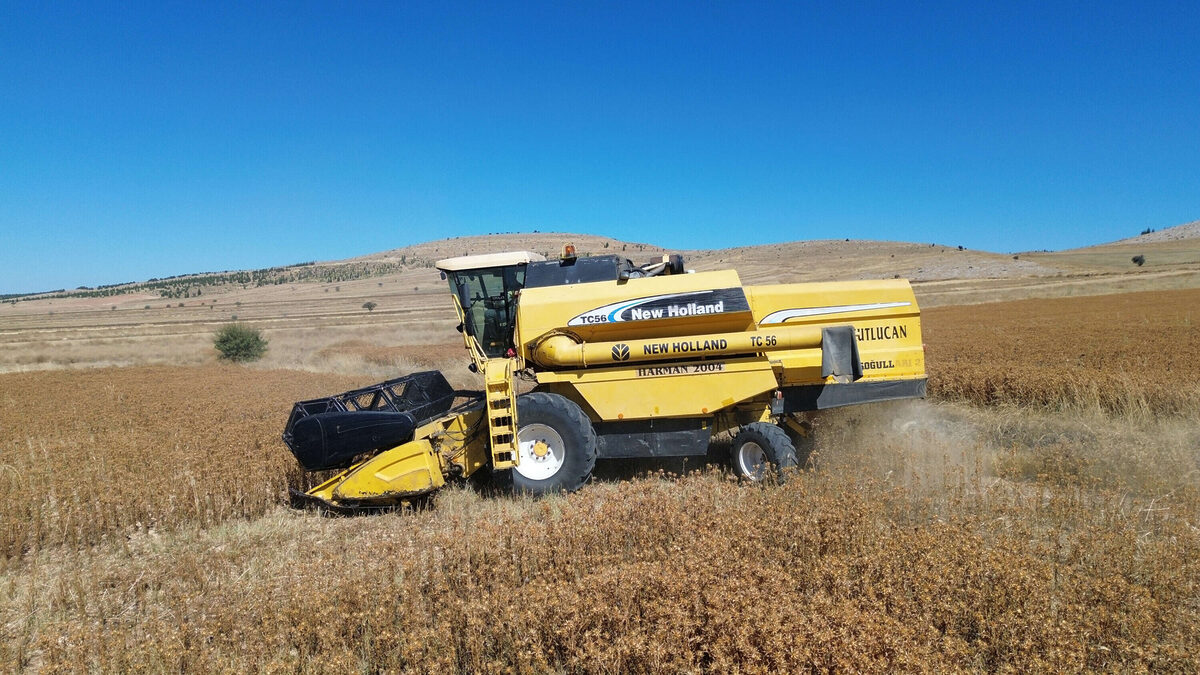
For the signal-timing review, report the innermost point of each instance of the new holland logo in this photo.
(670, 306)
(620, 352)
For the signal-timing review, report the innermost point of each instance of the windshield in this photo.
(488, 298)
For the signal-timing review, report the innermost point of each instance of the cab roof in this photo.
(475, 262)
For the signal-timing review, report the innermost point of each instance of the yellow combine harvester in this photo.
(625, 361)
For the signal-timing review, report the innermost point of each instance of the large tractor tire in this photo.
(556, 445)
(762, 450)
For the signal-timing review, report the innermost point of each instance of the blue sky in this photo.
(141, 141)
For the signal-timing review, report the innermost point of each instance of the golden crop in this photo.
(90, 453)
(145, 529)
(1133, 353)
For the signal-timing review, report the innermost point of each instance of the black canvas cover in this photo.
(839, 354)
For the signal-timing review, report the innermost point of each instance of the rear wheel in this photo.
(761, 450)
(555, 443)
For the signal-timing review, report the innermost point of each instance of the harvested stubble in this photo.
(1132, 354)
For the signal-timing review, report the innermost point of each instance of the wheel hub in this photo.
(752, 461)
(541, 451)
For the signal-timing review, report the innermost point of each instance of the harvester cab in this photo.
(485, 289)
(626, 361)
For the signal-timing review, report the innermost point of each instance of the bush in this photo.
(238, 342)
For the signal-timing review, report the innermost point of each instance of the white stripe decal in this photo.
(785, 314)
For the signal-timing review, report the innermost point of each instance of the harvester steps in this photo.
(501, 412)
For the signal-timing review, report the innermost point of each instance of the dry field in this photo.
(1057, 527)
(1136, 354)
(318, 326)
(1040, 512)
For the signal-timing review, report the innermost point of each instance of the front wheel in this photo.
(760, 450)
(556, 445)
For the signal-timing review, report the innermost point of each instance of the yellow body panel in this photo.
(406, 470)
(541, 311)
(409, 469)
(776, 343)
(884, 314)
(454, 442)
(562, 350)
(683, 389)
(459, 441)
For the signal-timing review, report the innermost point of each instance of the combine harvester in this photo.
(625, 361)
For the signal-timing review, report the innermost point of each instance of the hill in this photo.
(1179, 232)
(1175, 249)
(548, 244)
(315, 313)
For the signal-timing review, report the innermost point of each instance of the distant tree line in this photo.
(191, 285)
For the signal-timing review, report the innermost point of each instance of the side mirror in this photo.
(459, 328)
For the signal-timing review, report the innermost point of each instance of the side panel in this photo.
(460, 440)
(405, 470)
(884, 314)
(683, 304)
(685, 389)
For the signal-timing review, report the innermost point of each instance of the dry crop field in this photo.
(1133, 353)
(1030, 517)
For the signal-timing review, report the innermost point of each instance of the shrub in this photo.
(238, 342)
(370, 306)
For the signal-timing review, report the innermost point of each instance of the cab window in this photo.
(488, 298)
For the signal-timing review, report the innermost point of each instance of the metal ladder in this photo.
(501, 412)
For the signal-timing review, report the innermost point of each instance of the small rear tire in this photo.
(761, 450)
(556, 445)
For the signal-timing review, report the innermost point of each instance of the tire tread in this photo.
(575, 417)
(775, 442)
